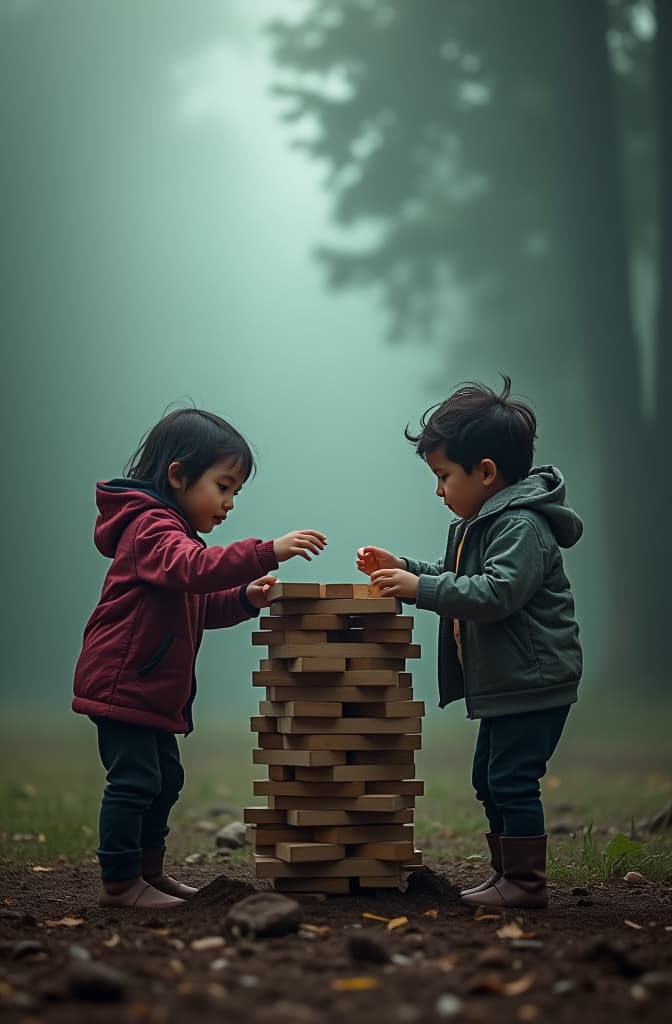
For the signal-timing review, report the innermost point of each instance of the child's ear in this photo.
(488, 470)
(176, 477)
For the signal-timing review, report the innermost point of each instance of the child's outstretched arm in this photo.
(229, 607)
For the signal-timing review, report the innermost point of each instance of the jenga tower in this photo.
(338, 731)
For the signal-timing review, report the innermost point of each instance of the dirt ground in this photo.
(603, 953)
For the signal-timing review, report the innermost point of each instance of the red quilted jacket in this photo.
(164, 587)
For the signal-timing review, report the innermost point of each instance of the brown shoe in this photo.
(136, 892)
(523, 881)
(493, 839)
(152, 872)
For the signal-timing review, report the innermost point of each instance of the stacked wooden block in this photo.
(338, 731)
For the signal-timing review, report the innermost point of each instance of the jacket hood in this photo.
(120, 501)
(543, 490)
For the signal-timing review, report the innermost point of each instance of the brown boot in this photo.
(152, 872)
(493, 839)
(135, 892)
(523, 881)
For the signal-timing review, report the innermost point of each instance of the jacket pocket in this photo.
(157, 655)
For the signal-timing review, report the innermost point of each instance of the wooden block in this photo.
(300, 853)
(316, 664)
(302, 818)
(381, 757)
(410, 787)
(306, 623)
(282, 773)
(261, 723)
(331, 886)
(271, 674)
(394, 851)
(303, 709)
(263, 816)
(269, 835)
(292, 591)
(344, 726)
(386, 636)
(305, 758)
(285, 695)
(271, 741)
(350, 834)
(338, 650)
(376, 802)
(322, 741)
(375, 664)
(338, 790)
(273, 638)
(376, 882)
(339, 606)
(402, 622)
(355, 773)
(377, 709)
(350, 867)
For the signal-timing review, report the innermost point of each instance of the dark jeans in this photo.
(510, 757)
(144, 779)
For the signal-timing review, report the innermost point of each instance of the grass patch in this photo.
(611, 770)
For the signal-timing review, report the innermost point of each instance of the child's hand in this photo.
(257, 590)
(299, 542)
(369, 559)
(395, 583)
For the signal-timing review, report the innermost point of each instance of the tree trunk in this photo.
(591, 195)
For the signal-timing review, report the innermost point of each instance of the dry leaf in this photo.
(632, 924)
(317, 929)
(488, 916)
(66, 922)
(512, 930)
(431, 913)
(375, 917)
(354, 984)
(207, 942)
(38, 867)
(520, 985)
(113, 941)
(528, 1012)
(445, 963)
(396, 922)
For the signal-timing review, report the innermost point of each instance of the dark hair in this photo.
(192, 437)
(474, 423)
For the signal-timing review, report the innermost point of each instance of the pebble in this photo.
(207, 942)
(634, 878)
(26, 948)
(562, 987)
(97, 983)
(263, 914)
(526, 944)
(448, 1005)
(368, 948)
(233, 836)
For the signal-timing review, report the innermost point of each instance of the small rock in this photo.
(634, 878)
(526, 944)
(368, 948)
(79, 953)
(219, 964)
(249, 981)
(563, 987)
(400, 959)
(193, 858)
(97, 983)
(263, 914)
(26, 948)
(205, 826)
(448, 1005)
(232, 837)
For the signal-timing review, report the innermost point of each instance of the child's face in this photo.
(208, 501)
(464, 493)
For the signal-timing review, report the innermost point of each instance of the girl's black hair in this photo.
(474, 423)
(192, 437)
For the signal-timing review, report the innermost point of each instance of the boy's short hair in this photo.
(474, 423)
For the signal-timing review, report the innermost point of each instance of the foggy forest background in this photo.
(316, 218)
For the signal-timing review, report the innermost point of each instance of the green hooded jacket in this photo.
(520, 640)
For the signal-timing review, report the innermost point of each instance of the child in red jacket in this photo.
(135, 675)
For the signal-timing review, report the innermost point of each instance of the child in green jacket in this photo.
(508, 639)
